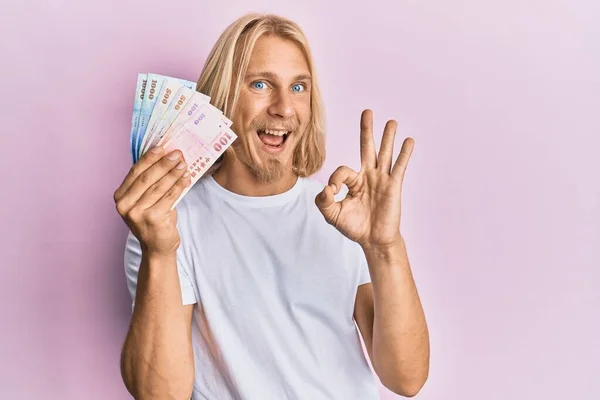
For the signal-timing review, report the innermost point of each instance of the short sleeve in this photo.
(133, 258)
(364, 276)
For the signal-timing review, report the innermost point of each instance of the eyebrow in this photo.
(274, 77)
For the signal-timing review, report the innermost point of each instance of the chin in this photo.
(271, 170)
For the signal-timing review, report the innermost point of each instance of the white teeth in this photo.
(275, 133)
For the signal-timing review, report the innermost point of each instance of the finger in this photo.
(403, 158)
(384, 160)
(148, 178)
(368, 155)
(326, 203)
(342, 176)
(137, 169)
(166, 202)
(156, 191)
(325, 200)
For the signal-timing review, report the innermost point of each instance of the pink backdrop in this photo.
(501, 200)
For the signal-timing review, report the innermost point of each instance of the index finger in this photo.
(147, 160)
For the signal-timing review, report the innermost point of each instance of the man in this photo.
(251, 287)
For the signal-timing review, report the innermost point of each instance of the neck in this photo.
(238, 178)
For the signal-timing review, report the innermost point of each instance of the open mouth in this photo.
(273, 138)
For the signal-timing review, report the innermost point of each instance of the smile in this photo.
(273, 139)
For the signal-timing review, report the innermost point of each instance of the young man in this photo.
(251, 288)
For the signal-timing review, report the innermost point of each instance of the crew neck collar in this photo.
(255, 201)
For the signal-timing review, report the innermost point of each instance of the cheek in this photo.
(304, 113)
(249, 111)
(242, 110)
(303, 105)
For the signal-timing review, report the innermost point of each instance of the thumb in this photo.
(326, 199)
(326, 203)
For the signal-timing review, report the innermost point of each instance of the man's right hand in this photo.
(146, 196)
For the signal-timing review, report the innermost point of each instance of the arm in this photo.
(391, 320)
(388, 311)
(157, 359)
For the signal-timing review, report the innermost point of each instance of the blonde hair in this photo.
(226, 66)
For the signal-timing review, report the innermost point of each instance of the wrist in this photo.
(154, 257)
(390, 244)
(385, 251)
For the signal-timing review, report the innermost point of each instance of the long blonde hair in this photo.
(225, 68)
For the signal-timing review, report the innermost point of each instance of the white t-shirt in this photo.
(274, 287)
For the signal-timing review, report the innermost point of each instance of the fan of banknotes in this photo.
(169, 112)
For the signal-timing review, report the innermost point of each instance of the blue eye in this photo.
(298, 88)
(259, 85)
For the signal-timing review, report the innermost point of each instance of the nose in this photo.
(282, 105)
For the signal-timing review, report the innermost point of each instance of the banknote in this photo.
(165, 96)
(137, 106)
(179, 111)
(202, 140)
(187, 112)
(153, 86)
(180, 99)
(169, 112)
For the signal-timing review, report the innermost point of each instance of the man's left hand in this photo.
(370, 213)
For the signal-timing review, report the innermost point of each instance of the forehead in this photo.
(278, 56)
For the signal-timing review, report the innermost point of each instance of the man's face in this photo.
(273, 109)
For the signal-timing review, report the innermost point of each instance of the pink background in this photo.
(501, 205)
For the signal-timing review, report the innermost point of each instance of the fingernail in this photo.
(187, 173)
(156, 150)
(173, 156)
(334, 188)
(181, 165)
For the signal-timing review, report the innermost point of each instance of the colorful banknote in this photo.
(192, 106)
(154, 83)
(168, 112)
(137, 106)
(180, 99)
(167, 91)
(202, 140)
